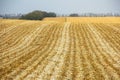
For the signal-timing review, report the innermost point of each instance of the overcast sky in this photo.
(60, 6)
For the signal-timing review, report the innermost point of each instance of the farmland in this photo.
(60, 49)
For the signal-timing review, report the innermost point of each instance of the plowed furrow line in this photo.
(91, 71)
(72, 66)
(19, 42)
(7, 24)
(81, 49)
(74, 51)
(14, 40)
(55, 59)
(117, 30)
(117, 25)
(113, 39)
(65, 66)
(105, 36)
(96, 51)
(26, 41)
(59, 66)
(105, 58)
(14, 63)
(38, 60)
(68, 74)
(115, 52)
(46, 57)
(23, 50)
(79, 58)
(16, 32)
(86, 49)
(29, 54)
(11, 28)
(112, 31)
(91, 49)
(8, 41)
(110, 40)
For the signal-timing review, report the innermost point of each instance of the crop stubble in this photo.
(59, 50)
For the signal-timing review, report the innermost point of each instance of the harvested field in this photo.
(60, 49)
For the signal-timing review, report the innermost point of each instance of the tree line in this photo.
(38, 15)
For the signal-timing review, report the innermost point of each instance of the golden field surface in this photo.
(60, 49)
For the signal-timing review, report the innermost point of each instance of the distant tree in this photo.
(1, 16)
(37, 15)
(51, 14)
(74, 15)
